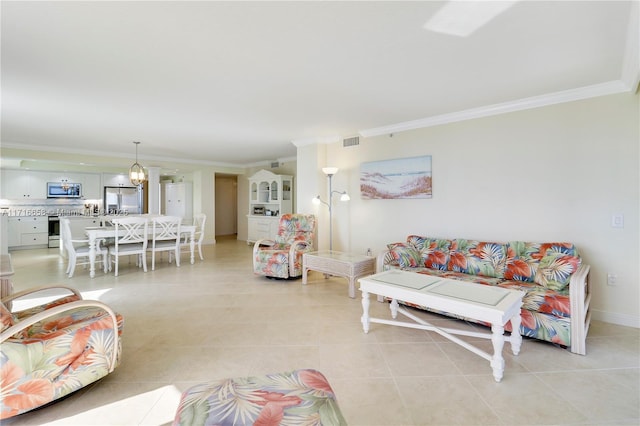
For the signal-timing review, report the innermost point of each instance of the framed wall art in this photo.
(398, 178)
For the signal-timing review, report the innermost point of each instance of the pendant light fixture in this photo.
(137, 174)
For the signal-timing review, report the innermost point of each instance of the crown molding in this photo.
(571, 95)
(76, 151)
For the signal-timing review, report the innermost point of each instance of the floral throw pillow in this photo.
(406, 255)
(554, 271)
(436, 253)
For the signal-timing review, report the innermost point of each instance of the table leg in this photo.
(365, 311)
(497, 362)
(393, 306)
(92, 256)
(304, 275)
(352, 287)
(516, 337)
(192, 245)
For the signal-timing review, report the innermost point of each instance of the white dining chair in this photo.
(78, 248)
(198, 221)
(130, 239)
(165, 236)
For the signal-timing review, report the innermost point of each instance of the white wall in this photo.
(556, 173)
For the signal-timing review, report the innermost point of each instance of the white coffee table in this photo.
(493, 305)
(331, 262)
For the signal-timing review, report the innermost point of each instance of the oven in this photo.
(54, 231)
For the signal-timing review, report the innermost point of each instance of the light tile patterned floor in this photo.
(215, 319)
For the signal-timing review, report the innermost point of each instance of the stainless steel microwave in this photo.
(64, 190)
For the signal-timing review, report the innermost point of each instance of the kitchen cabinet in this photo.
(176, 199)
(270, 195)
(27, 231)
(120, 179)
(21, 185)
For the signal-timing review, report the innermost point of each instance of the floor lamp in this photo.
(330, 171)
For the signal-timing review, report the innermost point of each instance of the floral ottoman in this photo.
(300, 397)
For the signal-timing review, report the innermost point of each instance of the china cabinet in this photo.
(270, 195)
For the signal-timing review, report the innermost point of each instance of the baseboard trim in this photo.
(615, 318)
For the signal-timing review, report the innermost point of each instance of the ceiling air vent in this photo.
(351, 141)
(275, 165)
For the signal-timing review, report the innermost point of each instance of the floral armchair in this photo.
(282, 257)
(52, 350)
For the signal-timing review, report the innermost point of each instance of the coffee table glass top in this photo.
(338, 255)
(412, 281)
(486, 295)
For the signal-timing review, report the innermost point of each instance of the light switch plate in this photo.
(617, 221)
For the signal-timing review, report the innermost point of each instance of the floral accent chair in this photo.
(52, 350)
(300, 397)
(282, 257)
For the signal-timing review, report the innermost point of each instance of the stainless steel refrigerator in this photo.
(122, 199)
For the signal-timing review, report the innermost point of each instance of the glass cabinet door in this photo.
(286, 189)
(263, 192)
(274, 191)
(254, 192)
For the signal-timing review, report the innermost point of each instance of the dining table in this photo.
(96, 233)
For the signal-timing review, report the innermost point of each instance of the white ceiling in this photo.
(236, 82)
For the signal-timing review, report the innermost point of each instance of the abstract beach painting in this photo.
(398, 178)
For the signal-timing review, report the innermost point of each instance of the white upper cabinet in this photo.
(270, 194)
(120, 179)
(32, 185)
(24, 185)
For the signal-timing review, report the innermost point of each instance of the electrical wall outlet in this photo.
(612, 279)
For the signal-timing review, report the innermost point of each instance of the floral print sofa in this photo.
(52, 350)
(553, 276)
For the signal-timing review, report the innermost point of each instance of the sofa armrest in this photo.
(385, 261)
(580, 299)
(27, 322)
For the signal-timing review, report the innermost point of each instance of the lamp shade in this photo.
(330, 170)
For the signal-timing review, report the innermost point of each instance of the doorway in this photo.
(226, 205)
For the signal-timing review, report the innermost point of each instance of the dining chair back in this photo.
(165, 236)
(78, 248)
(199, 221)
(130, 239)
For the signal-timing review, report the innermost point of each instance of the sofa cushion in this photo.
(478, 258)
(406, 255)
(522, 261)
(434, 251)
(547, 264)
(555, 271)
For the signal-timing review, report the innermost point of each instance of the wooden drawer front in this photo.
(34, 239)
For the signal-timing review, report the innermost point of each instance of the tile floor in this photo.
(215, 319)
